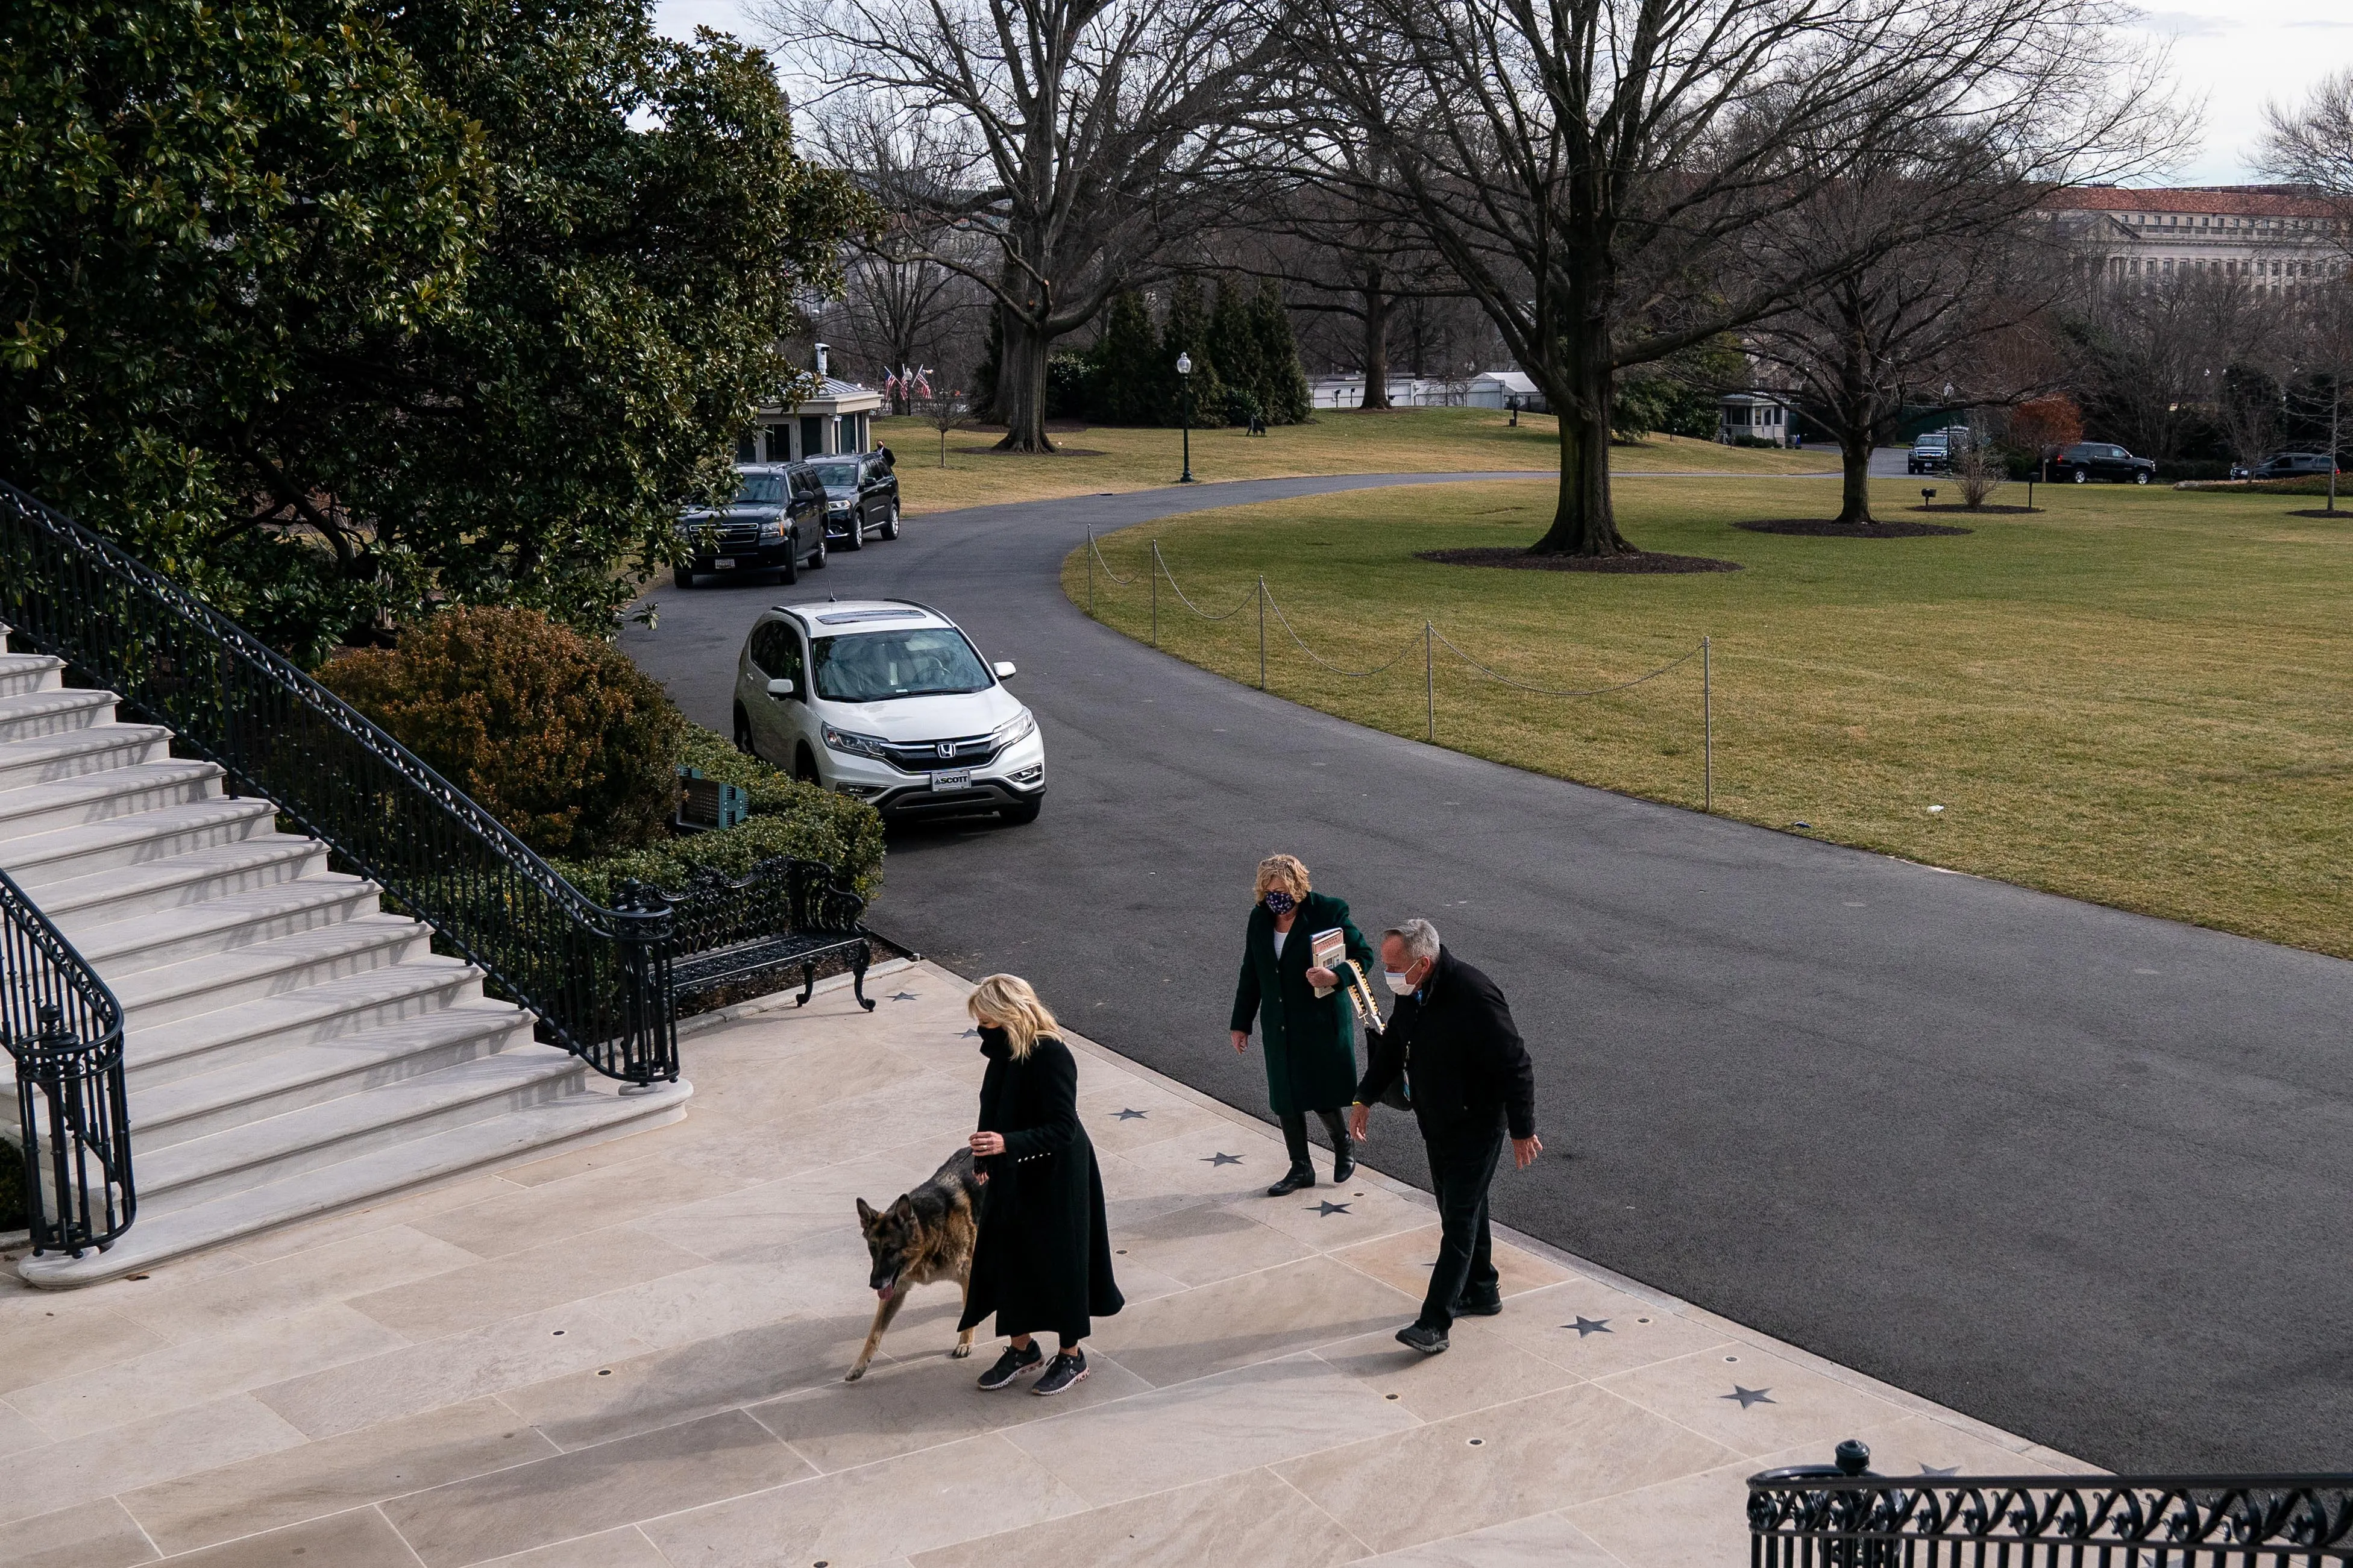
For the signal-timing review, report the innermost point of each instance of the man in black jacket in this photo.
(1452, 1038)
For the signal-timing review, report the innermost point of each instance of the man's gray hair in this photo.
(1418, 938)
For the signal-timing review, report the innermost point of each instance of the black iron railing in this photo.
(64, 1029)
(784, 913)
(1841, 1516)
(596, 978)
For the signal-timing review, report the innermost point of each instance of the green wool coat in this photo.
(1309, 1041)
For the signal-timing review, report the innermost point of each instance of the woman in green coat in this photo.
(1311, 1040)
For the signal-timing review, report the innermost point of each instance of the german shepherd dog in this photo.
(926, 1234)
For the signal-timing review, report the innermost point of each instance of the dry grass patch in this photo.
(1401, 441)
(2136, 697)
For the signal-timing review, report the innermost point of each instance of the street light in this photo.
(1184, 380)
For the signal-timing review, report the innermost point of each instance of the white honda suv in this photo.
(888, 701)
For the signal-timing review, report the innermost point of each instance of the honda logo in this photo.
(947, 748)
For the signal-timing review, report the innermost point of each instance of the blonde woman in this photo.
(1311, 1040)
(1042, 1262)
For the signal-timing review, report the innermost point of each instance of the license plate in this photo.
(960, 779)
(724, 564)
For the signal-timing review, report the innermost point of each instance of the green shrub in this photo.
(557, 735)
(12, 1212)
(787, 818)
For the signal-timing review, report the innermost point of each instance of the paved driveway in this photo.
(2078, 1172)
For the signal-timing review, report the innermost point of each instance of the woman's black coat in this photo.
(1311, 1040)
(1042, 1262)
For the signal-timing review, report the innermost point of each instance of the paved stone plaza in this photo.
(631, 1356)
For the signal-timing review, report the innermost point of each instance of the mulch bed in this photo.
(1059, 451)
(2344, 511)
(1817, 528)
(1639, 562)
(2005, 510)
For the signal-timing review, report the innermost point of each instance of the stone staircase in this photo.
(292, 1049)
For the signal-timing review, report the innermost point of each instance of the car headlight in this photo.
(1020, 727)
(837, 509)
(857, 745)
(774, 527)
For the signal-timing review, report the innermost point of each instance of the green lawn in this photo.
(1405, 441)
(2138, 697)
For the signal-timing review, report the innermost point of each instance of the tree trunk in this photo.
(1584, 523)
(1855, 464)
(1021, 387)
(1377, 347)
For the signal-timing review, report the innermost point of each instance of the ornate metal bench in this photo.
(783, 913)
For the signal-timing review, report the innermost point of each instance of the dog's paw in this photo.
(959, 1352)
(853, 1374)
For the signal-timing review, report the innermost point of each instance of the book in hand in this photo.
(1327, 949)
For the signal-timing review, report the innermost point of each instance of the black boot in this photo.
(1303, 1167)
(1344, 1148)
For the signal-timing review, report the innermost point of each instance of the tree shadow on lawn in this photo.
(1514, 558)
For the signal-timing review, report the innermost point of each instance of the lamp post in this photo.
(1184, 380)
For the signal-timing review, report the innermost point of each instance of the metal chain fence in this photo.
(1429, 643)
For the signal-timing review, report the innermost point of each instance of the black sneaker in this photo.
(1010, 1366)
(1423, 1338)
(1068, 1368)
(1478, 1307)
(1301, 1176)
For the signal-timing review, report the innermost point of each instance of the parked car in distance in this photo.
(2285, 466)
(2088, 461)
(774, 524)
(861, 497)
(1933, 451)
(887, 701)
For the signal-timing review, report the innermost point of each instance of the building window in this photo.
(812, 435)
(747, 449)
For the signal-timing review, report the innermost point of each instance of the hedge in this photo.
(786, 817)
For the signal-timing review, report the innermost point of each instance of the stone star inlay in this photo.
(1585, 1325)
(1940, 1470)
(1748, 1396)
(902, 996)
(1328, 1209)
(1221, 1159)
(1133, 1115)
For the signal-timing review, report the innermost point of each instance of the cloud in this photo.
(2181, 24)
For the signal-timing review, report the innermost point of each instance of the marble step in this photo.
(23, 672)
(27, 714)
(69, 753)
(589, 1115)
(38, 859)
(118, 948)
(199, 875)
(315, 1136)
(103, 797)
(215, 981)
(235, 1093)
(165, 1052)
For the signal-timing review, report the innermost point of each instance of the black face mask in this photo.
(1280, 903)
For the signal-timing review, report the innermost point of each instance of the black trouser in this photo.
(1459, 1171)
(1294, 1135)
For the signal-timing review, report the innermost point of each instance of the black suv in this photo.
(861, 497)
(2088, 461)
(775, 522)
(2285, 466)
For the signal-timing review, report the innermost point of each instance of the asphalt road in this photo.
(2078, 1172)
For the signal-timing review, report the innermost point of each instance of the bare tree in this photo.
(1918, 322)
(2155, 359)
(2313, 146)
(1087, 130)
(1599, 172)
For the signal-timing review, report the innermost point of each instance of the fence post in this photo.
(1091, 573)
(1708, 724)
(1155, 593)
(1429, 682)
(1262, 631)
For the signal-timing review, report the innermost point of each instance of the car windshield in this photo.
(875, 667)
(759, 489)
(838, 475)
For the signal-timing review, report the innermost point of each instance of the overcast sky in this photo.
(2235, 57)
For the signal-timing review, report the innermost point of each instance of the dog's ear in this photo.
(905, 1205)
(867, 1215)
